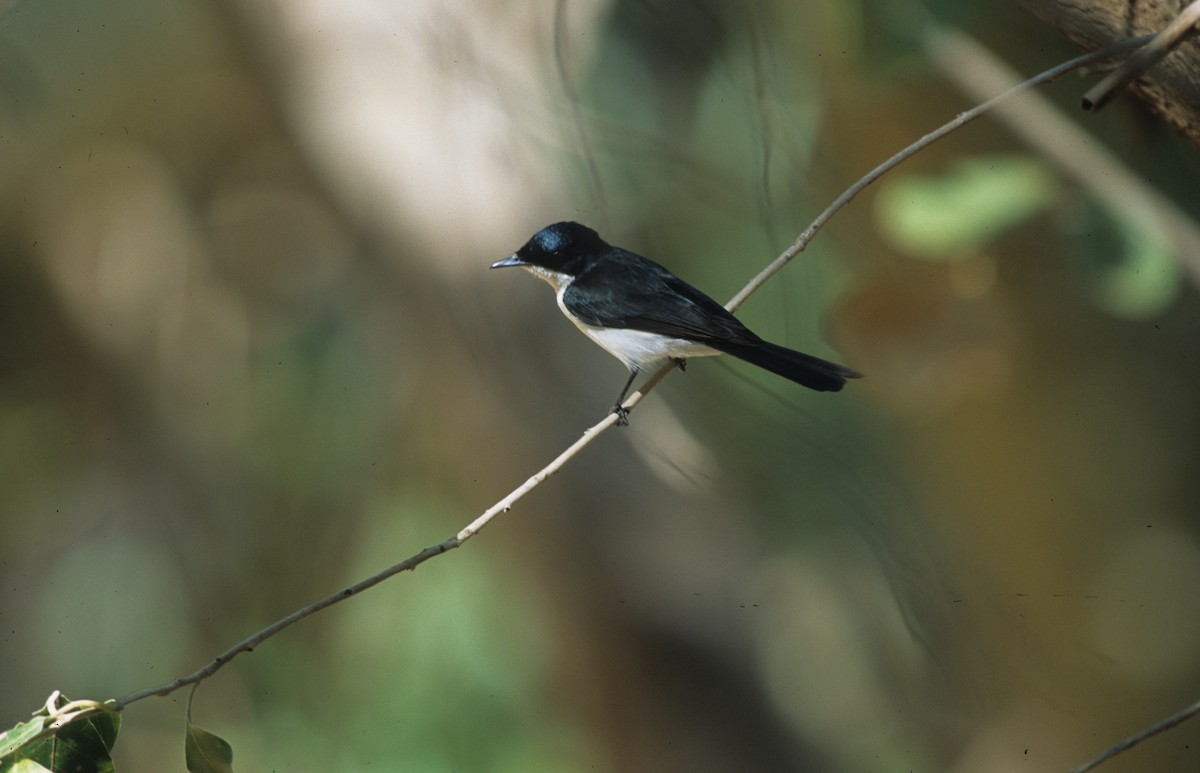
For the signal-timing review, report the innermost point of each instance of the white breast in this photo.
(637, 348)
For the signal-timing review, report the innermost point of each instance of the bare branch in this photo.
(1138, 737)
(963, 119)
(1144, 58)
(1062, 142)
(1171, 89)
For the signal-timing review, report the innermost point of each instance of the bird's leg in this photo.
(680, 362)
(619, 409)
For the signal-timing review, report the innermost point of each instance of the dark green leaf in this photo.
(82, 746)
(207, 753)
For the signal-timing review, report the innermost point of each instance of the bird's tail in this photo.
(804, 369)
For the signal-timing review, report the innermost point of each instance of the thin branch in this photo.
(411, 563)
(1138, 737)
(963, 118)
(407, 565)
(1183, 27)
(248, 644)
(1061, 141)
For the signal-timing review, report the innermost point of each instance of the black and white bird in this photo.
(642, 314)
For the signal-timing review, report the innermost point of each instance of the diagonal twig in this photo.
(1182, 27)
(961, 120)
(1133, 740)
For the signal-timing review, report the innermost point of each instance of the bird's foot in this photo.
(622, 415)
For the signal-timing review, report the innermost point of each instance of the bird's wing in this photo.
(637, 293)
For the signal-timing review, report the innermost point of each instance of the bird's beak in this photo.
(511, 260)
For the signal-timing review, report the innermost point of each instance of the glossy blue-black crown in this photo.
(559, 243)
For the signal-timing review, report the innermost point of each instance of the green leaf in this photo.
(949, 215)
(82, 746)
(207, 753)
(16, 737)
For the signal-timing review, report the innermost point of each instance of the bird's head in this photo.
(556, 252)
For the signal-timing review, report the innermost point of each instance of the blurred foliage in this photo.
(251, 354)
(1129, 270)
(954, 214)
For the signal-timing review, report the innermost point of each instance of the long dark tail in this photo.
(804, 369)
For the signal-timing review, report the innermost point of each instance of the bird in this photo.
(642, 314)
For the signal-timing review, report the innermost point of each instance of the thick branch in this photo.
(1172, 87)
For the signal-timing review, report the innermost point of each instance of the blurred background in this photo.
(250, 352)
